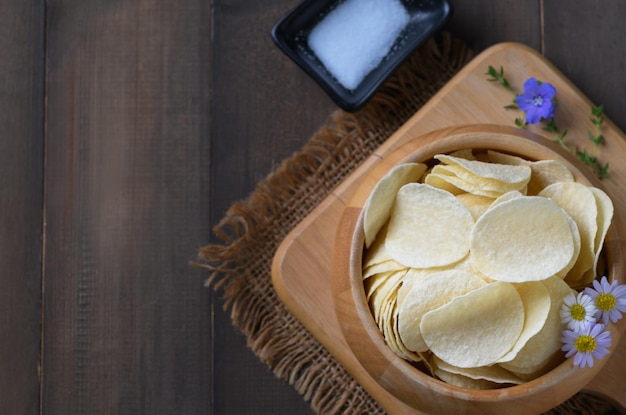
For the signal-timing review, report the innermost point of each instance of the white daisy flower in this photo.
(591, 343)
(609, 299)
(578, 310)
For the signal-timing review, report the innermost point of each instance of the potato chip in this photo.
(504, 173)
(605, 215)
(414, 275)
(393, 336)
(380, 201)
(580, 204)
(429, 293)
(505, 197)
(537, 356)
(543, 172)
(457, 185)
(376, 252)
(463, 381)
(443, 182)
(476, 204)
(478, 182)
(494, 373)
(464, 153)
(547, 172)
(537, 303)
(563, 273)
(475, 329)
(373, 283)
(379, 290)
(527, 238)
(414, 235)
(382, 267)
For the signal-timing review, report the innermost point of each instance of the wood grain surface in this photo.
(21, 203)
(128, 128)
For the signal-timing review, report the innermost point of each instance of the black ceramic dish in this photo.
(291, 33)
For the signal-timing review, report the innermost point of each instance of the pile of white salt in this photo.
(354, 38)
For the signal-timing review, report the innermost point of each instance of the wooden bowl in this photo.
(402, 379)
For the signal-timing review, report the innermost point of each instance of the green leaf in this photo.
(551, 126)
(586, 158)
(604, 171)
(597, 121)
(497, 76)
(599, 139)
(597, 111)
(591, 136)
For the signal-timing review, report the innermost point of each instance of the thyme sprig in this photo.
(590, 159)
(498, 76)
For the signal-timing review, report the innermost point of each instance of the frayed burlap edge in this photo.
(252, 230)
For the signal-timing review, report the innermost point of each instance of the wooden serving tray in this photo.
(301, 268)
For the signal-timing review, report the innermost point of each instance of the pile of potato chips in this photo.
(468, 261)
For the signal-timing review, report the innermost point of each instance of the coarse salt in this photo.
(354, 38)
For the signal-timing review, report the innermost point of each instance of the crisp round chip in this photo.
(414, 275)
(505, 197)
(457, 185)
(537, 356)
(605, 215)
(429, 293)
(479, 182)
(381, 290)
(377, 260)
(580, 204)
(527, 238)
(574, 228)
(493, 373)
(537, 304)
(504, 173)
(393, 336)
(382, 267)
(376, 252)
(428, 227)
(543, 172)
(380, 201)
(463, 381)
(476, 204)
(475, 329)
(376, 281)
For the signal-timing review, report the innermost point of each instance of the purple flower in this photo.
(537, 100)
(589, 343)
(610, 299)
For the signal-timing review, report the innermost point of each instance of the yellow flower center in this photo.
(585, 343)
(606, 302)
(577, 312)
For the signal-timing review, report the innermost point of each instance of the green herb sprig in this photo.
(498, 76)
(590, 159)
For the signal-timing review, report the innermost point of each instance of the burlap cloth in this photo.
(251, 231)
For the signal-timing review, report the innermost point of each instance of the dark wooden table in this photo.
(127, 128)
